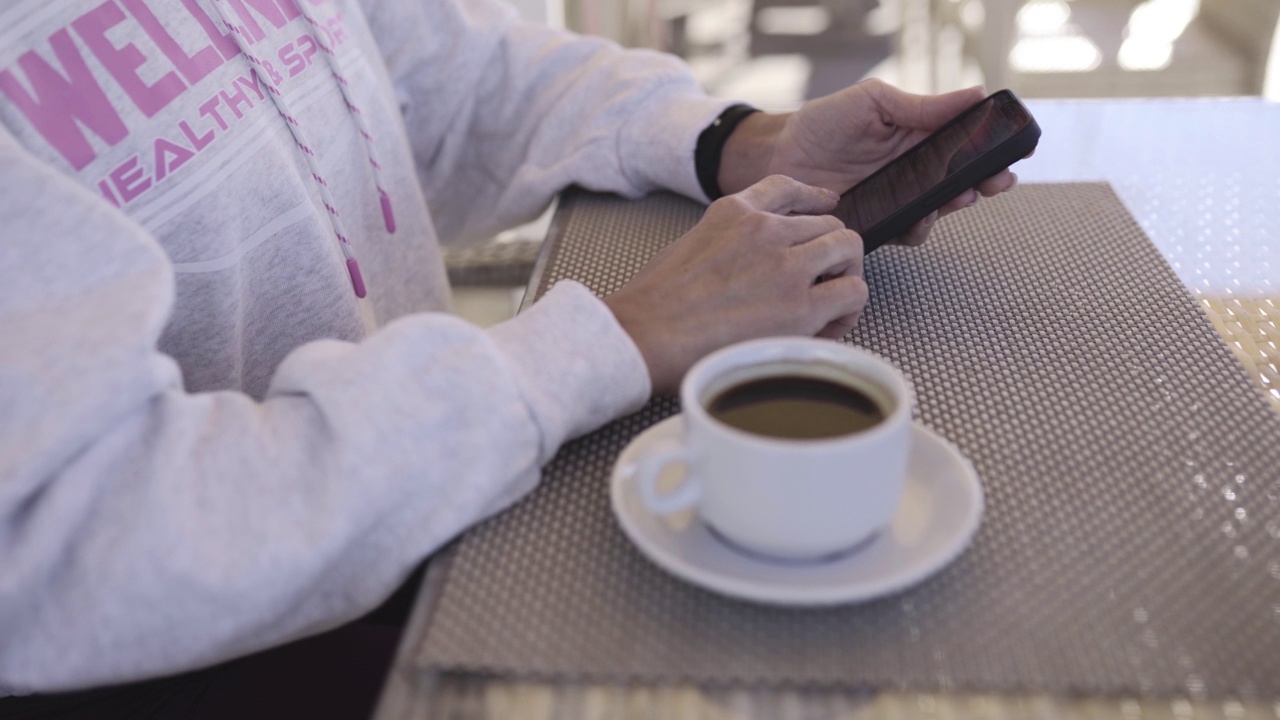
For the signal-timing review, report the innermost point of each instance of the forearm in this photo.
(145, 529)
(196, 528)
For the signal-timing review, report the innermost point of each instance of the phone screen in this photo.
(975, 132)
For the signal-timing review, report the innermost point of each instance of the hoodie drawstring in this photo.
(295, 128)
(357, 116)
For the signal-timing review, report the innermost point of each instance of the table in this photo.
(1199, 176)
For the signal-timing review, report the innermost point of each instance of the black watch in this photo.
(706, 155)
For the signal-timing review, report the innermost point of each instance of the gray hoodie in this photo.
(208, 443)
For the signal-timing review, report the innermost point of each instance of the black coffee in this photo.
(797, 407)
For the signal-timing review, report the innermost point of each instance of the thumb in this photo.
(925, 112)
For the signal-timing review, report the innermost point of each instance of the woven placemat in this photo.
(1131, 542)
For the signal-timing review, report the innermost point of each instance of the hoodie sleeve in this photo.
(503, 114)
(145, 530)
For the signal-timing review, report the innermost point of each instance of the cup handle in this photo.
(650, 468)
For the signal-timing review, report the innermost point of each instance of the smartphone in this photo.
(978, 143)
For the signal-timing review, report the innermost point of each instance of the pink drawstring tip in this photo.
(357, 280)
(388, 215)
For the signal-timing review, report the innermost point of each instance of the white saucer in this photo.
(940, 512)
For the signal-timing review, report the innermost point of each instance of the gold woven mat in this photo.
(1251, 327)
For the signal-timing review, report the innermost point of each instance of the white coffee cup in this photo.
(780, 497)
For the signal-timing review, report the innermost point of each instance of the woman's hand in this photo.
(835, 142)
(748, 269)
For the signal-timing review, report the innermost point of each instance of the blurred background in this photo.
(775, 54)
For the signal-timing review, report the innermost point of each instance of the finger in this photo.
(918, 232)
(968, 198)
(922, 112)
(1002, 181)
(841, 326)
(798, 229)
(781, 194)
(838, 300)
(835, 253)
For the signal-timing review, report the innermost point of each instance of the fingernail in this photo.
(831, 193)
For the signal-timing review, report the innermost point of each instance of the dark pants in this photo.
(335, 675)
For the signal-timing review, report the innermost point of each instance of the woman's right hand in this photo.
(748, 269)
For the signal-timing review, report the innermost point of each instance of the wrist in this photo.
(748, 151)
(648, 341)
